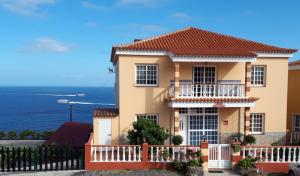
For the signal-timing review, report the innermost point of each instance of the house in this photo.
(198, 84)
(73, 134)
(293, 108)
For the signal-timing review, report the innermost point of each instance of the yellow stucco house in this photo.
(293, 110)
(197, 84)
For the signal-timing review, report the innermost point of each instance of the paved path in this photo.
(78, 173)
(48, 173)
(225, 172)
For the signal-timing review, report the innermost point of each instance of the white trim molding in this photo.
(183, 104)
(212, 59)
(175, 58)
(261, 54)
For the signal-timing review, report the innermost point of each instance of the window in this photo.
(204, 75)
(256, 123)
(296, 122)
(258, 75)
(146, 75)
(152, 117)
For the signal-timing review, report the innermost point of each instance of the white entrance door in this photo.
(105, 131)
(183, 128)
(219, 156)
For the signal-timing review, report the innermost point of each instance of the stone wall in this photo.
(261, 139)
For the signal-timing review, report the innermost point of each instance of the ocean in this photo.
(46, 108)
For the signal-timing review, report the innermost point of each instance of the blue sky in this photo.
(68, 43)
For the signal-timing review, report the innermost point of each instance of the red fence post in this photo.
(204, 154)
(145, 158)
(87, 153)
(236, 152)
(87, 156)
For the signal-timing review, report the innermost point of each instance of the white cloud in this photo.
(45, 44)
(90, 5)
(26, 7)
(181, 16)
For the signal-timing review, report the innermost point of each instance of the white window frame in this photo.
(254, 74)
(252, 122)
(294, 116)
(147, 85)
(147, 115)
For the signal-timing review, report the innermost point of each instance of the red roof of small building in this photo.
(71, 134)
(197, 42)
(294, 63)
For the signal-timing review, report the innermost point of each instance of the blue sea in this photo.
(46, 108)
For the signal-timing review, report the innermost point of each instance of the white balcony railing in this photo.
(209, 90)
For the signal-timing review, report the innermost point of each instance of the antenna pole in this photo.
(71, 112)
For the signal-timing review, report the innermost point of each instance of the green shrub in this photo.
(194, 163)
(46, 134)
(145, 129)
(177, 165)
(27, 134)
(246, 163)
(2, 135)
(12, 135)
(37, 135)
(249, 139)
(177, 140)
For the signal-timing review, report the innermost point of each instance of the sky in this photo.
(68, 42)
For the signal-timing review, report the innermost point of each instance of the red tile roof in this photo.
(106, 112)
(72, 134)
(215, 100)
(197, 42)
(294, 63)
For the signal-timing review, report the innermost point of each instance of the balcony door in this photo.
(203, 79)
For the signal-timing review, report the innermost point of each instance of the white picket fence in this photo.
(133, 153)
(265, 154)
(169, 153)
(120, 153)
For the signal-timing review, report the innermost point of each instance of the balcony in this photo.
(189, 90)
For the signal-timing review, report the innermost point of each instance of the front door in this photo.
(183, 128)
(203, 124)
(105, 131)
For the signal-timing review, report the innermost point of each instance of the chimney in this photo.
(137, 40)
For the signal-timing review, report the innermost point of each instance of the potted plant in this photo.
(246, 166)
(191, 166)
(177, 140)
(194, 164)
(249, 139)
